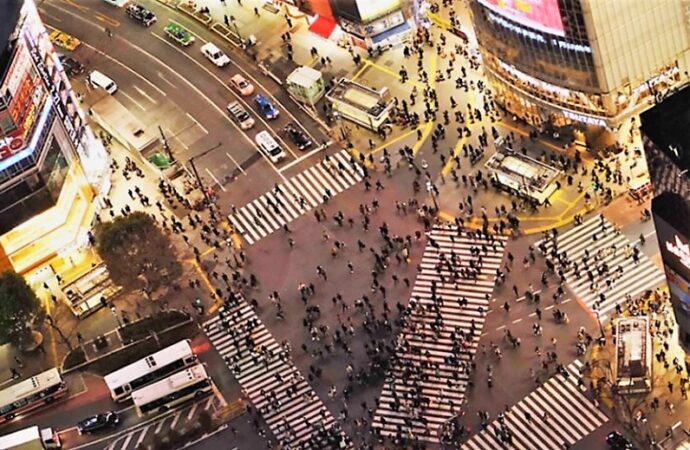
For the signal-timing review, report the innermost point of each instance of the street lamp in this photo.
(114, 311)
(237, 30)
(196, 173)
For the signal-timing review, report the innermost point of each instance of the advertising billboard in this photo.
(543, 15)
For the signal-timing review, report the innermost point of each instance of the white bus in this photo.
(31, 438)
(633, 355)
(39, 390)
(147, 370)
(192, 382)
(120, 3)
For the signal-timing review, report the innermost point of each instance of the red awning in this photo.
(323, 26)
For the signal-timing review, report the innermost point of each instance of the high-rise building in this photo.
(667, 150)
(52, 168)
(596, 62)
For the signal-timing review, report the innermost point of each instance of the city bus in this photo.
(633, 363)
(30, 394)
(189, 383)
(147, 370)
(31, 438)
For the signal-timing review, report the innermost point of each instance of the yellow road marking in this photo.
(75, 5)
(107, 20)
(396, 139)
(359, 73)
(53, 342)
(209, 286)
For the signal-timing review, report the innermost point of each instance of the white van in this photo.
(215, 55)
(269, 146)
(98, 80)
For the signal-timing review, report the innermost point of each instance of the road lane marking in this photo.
(192, 410)
(175, 419)
(159, 426)
(196, 122)
(301, 158)
(162, 77)
(237, 96)
(75, 5)
(215, 179)
(51, 17)
(517, 320)
(235, 162)
(216, 107)
(142, 436)
(126, 67)
(209, 402)
(128, 439)
(144, 94)
(107, 20)
(133, 100)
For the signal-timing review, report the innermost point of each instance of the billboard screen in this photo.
(543, 15)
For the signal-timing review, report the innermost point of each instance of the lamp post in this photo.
(166, 146)
(237, 30)
(114, 311)
(196, 173)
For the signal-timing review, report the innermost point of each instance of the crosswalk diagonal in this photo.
(426, 384)
(292, 410)
(296, 196)
(555, 414)
(601, 265)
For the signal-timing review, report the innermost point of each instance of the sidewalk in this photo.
(649, 424)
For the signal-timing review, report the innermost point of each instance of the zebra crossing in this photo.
(296, 196)
(552, 415)
(426, 385)
(294, 413)
(612, 254)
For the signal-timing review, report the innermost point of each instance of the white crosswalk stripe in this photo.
(570, 417)
(433, 348)
(298, 195)
(611, 250)
(294, 413)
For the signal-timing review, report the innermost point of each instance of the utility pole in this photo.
(166, 146)
(196, 172)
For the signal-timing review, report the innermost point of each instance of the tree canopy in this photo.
(19, 305)
(136, 252)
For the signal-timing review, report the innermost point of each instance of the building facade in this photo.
(369, 24)
(591, 62)
(52, 168)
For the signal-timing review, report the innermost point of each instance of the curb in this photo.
(124, 346)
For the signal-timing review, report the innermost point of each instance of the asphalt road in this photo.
(177, 88)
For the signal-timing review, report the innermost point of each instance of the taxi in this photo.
(64, 40)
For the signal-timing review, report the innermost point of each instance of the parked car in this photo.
(64, 40)
(71, 65)
(215, 55)
(179, 34)
(141, 14)
(297, 136)
(98, 422)
(241, 85)
(617, 441)
(267, 109)
(240, 115)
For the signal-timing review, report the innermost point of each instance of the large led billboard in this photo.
(543, 15)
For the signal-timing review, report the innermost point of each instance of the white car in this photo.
(215, 55)
(269, 147)
(241, 85)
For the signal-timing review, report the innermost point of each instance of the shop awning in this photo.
(323, 26)
(402, 28)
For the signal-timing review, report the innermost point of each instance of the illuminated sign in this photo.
(679, 249)
(560, 43)
(543, 15)
(371, 9)
(73, 124)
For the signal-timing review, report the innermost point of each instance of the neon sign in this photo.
(682, 251)
(543, 15)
